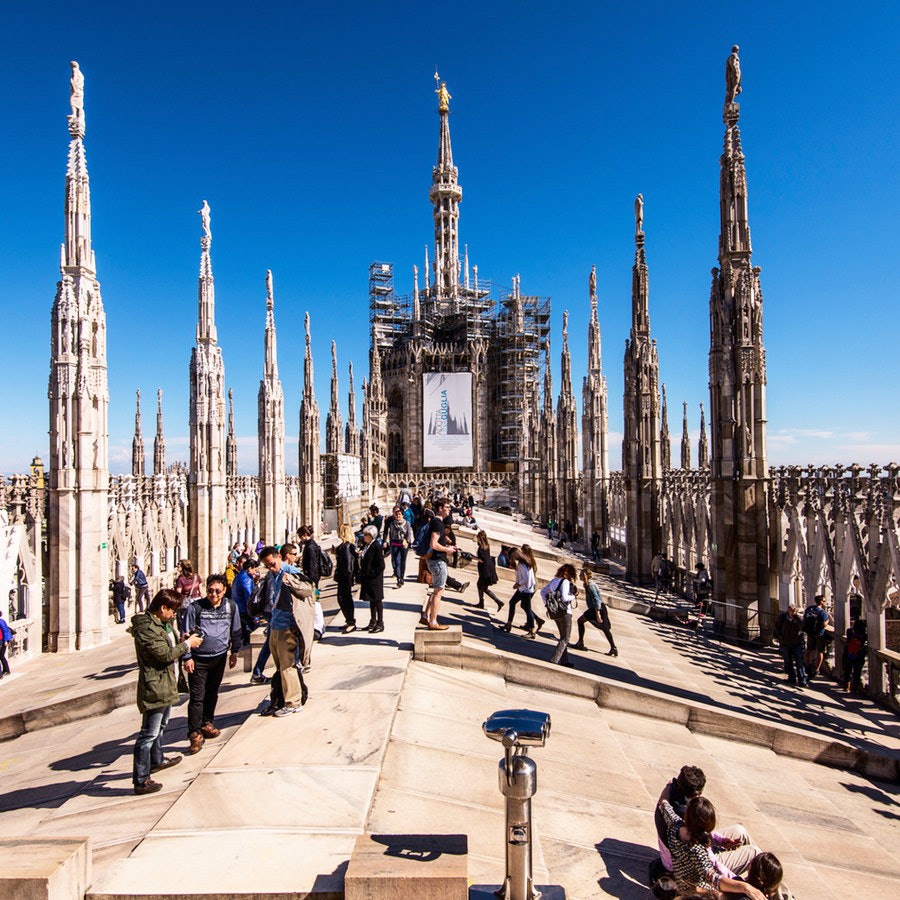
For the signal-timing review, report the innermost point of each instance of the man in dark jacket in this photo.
(218, 622)
(789, 631)
(157, 648)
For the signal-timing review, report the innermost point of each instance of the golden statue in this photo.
(444, 97)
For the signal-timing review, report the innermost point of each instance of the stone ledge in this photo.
(427, 642)
(699, 718)
(408, 867)
(45, 868)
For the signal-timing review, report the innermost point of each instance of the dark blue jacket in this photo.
(221, 627)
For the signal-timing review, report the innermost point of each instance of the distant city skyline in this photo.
(312, 137)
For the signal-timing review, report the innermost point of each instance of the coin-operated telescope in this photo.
(517, 730)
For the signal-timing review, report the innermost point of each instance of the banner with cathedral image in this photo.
(447, 419)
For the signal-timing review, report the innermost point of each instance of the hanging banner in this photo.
(447, 419)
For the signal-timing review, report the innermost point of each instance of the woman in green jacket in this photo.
(157, 647)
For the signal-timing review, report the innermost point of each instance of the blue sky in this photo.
(312, 130)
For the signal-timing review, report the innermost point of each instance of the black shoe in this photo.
(348, 629)
(506, 628)
(259, 679)
(477, 606)
(371, 626)
(613, 652)
(540, 622)
(500, 605)
(377, 629)
(270, 710)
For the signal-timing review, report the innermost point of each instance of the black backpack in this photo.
(326, 566)
(811, 620)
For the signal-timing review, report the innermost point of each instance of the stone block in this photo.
(45, 868)
(731, 726)
(550, 677)
(430, 644)
(407, 866)
(640, 702)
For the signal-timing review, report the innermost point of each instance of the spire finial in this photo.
(443, 94)
(137, 415)
(270, 298)
(76, 100)
(565, 325)
(306, 326)
(732, 76)
(203, 212)
(639, 214)
(334, 358)
(159, 400)
(592, 284)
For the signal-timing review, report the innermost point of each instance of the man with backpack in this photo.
(815, 618)
(141, 590)
(789, 631)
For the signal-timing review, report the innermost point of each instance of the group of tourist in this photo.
(697, 861)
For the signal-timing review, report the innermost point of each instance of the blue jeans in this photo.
(263, 657)
(398, 561)
(793, 664)
(148, 746)
(120, 610)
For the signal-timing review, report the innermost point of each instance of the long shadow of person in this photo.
(626, 867)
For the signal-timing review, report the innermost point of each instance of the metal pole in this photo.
(518, 783)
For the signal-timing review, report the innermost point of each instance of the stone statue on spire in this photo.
(733, 75)
(592, 282)
(203, 212)
(444, 97)
(270, 300)
(76, 100)
(639, 214)
(306, 326)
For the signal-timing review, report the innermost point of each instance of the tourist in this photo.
(856, 646)
(235, 553)
(241, 591)
(188, 586)
(418, 510)
(231, 572)
(157, 649)
(766, 874)
(141, 591)
(121, 592)
(658, 571)
(689, 839)
(523, 590)
(487, 572)
(290, 553)
(789, 632)
(376, 520)
(217, 621)
(595, 546)
(451, 583)
(404, 497)
(596, 613)
(290, 597)
(815, 621)
(702, 589)
(346, 568)
(686, 785)
(311, 555)
(399, 536)
(440, 543)
(408, 514)
(371, 578)
(6, 637)
(563, 586)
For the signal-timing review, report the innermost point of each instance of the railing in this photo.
(891, 663)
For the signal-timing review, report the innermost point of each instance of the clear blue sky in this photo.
(311, 130)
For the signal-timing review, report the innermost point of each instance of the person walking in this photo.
(217, 621)
(121, 592)
(487, 572)
(815, 622)
(6, 637)
(399, 536)
(596, 613)
(242, 589)
(371, 578)
(346, 568)
(290, 596)
(141, 590)
(440, 543)
(856, 647)
(789, 631)
(562, 586)
(523, 591)
(157, 647)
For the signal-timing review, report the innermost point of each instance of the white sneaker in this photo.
(287, 711)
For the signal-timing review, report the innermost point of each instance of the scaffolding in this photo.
(389, 314)
(523, 327)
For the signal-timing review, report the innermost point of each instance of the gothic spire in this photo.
(445, 195)
(231, 442)
(640, 287)
(566, 363)
(137, 445)
(685, 442)
(270, 368)
(206, 317)
(703, 445)
(351, 433)
(665, 441)
(333, 427)
(548, 380)
(308, 389)
(595, 364)
(159, 442)
(77, 252)
(734, 236)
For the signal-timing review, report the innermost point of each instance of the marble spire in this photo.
(566, 432)
(351, 434)
(737, 385)
(445, 195)
(231, 451)
(159, 442)
(270, 431)
(78, 391)
(703, 443)
(685, 441)
(334, 429)
(207, 535)
(137, 444)
(641, 456)
(665, 440)
(310, 447)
